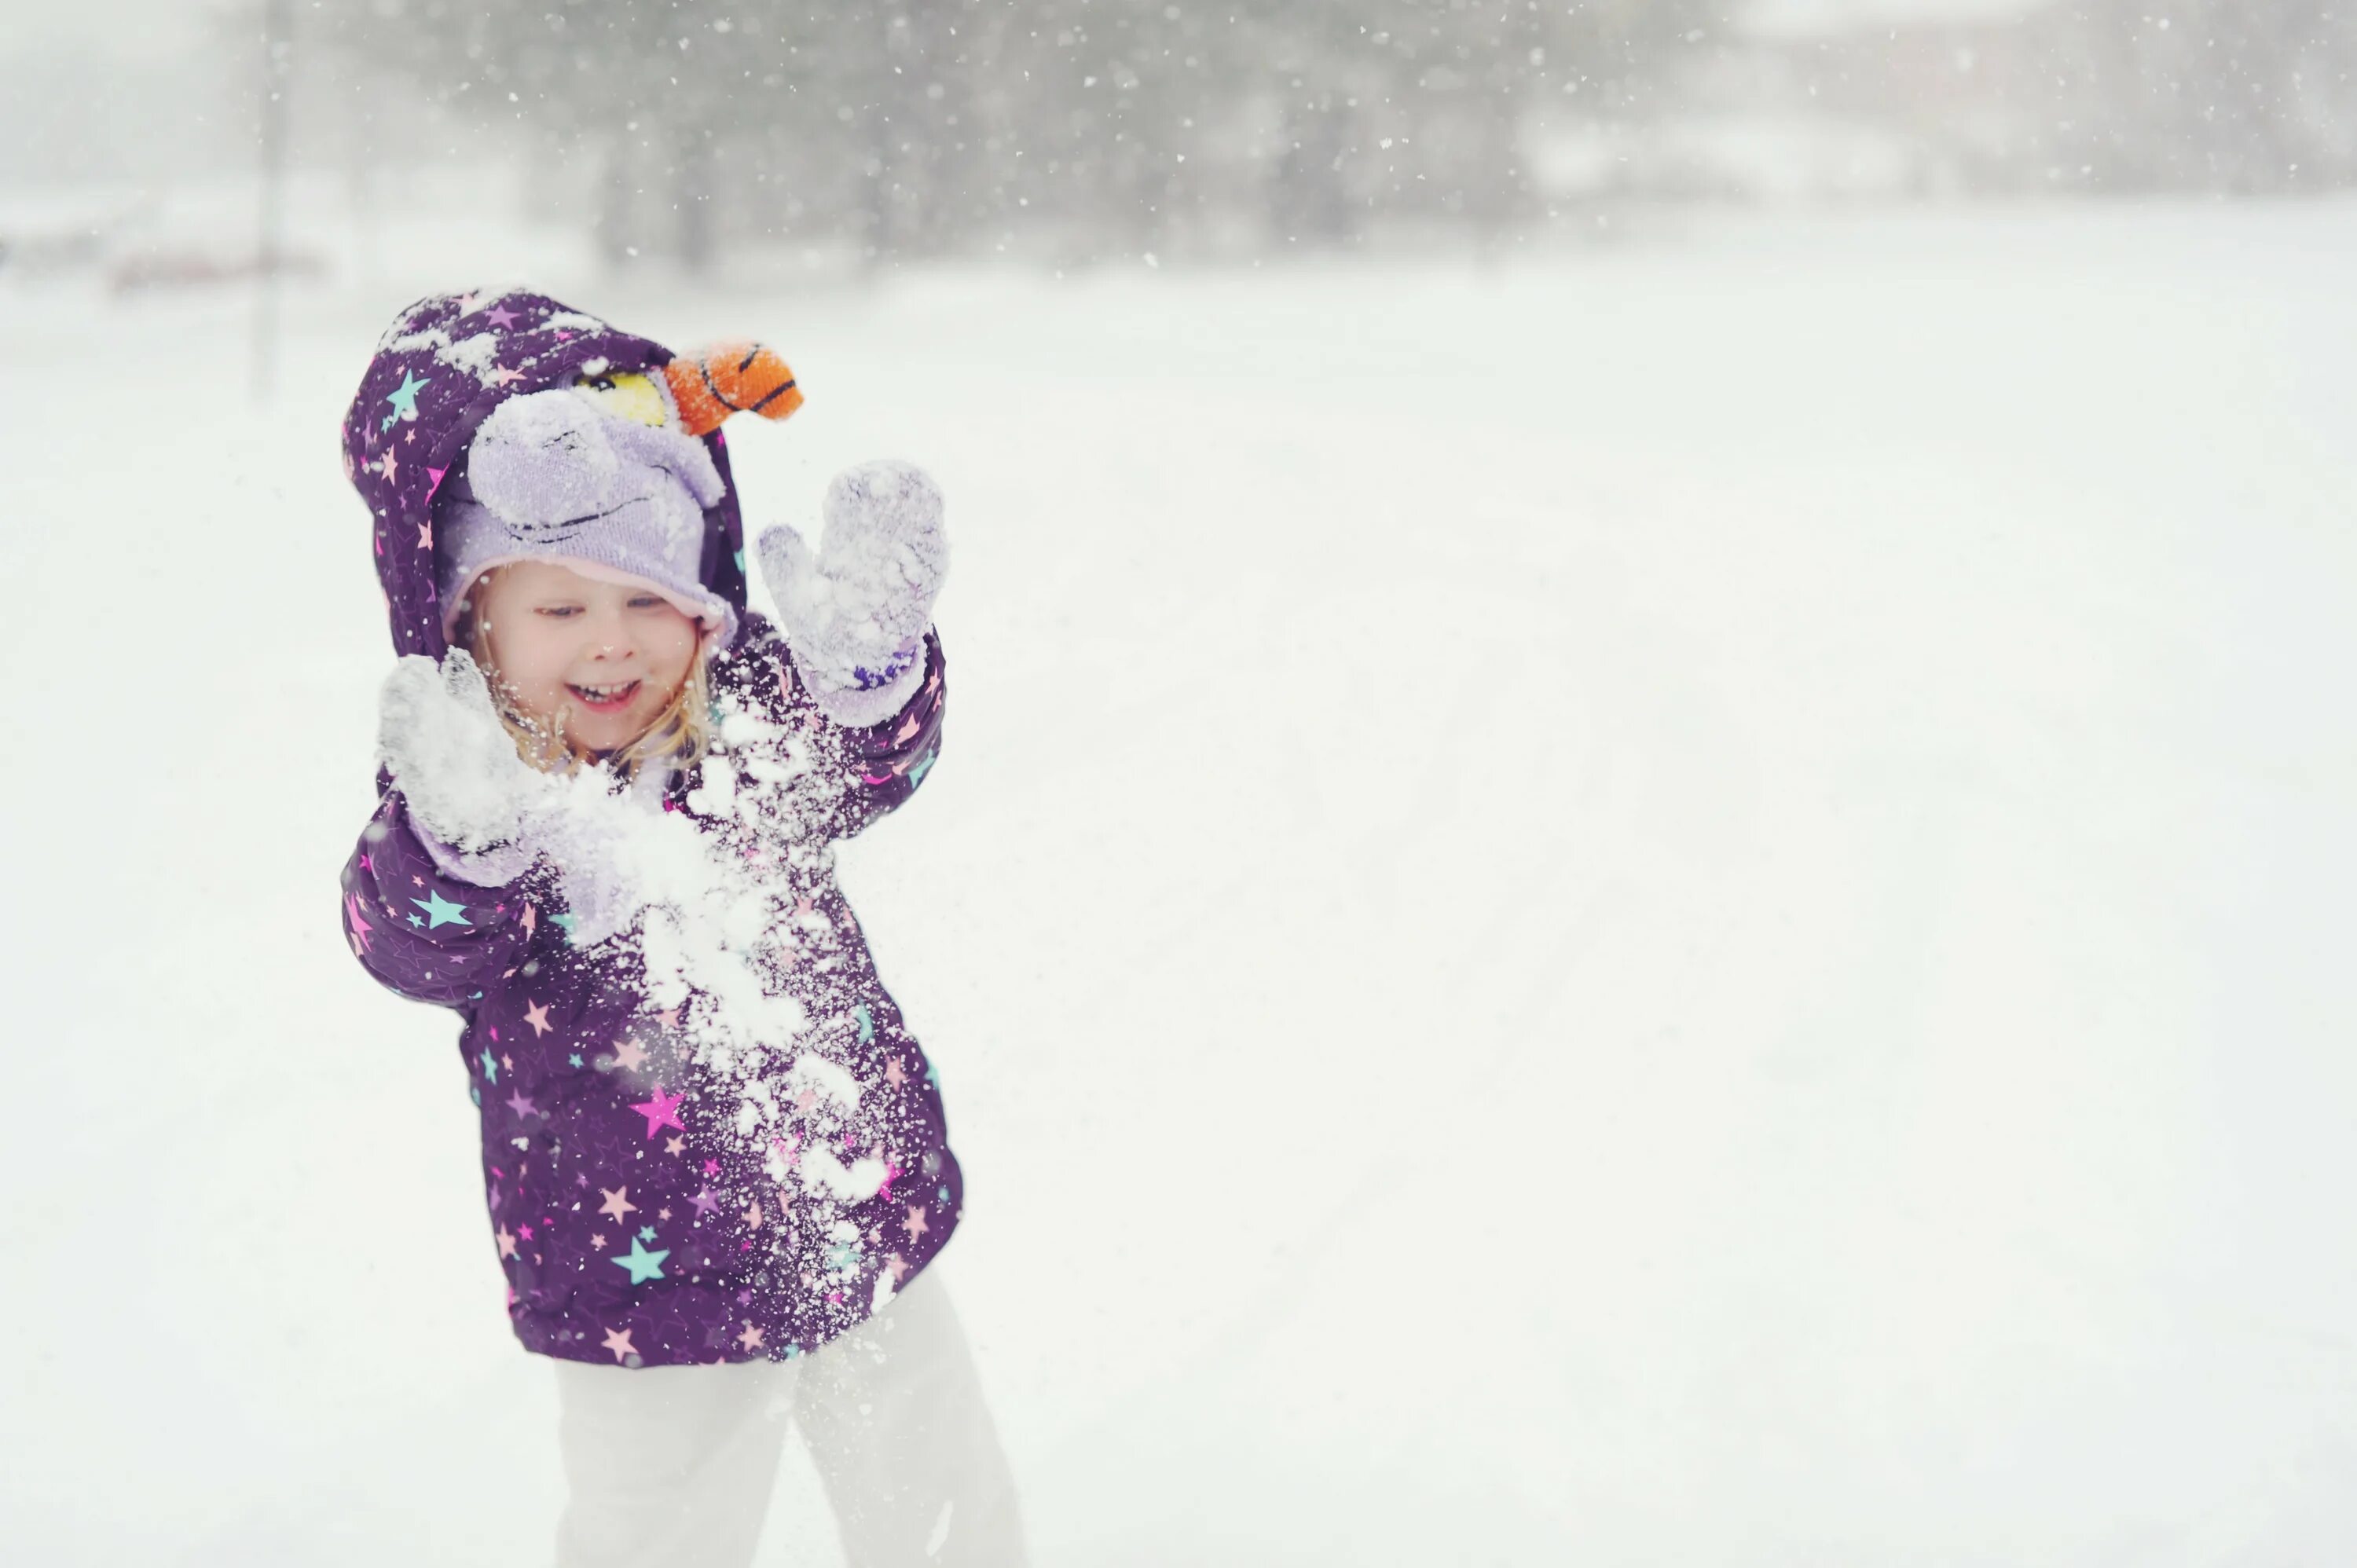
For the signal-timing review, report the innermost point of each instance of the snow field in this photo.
(1677, 904)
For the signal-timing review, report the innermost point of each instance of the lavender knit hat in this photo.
(552, 476)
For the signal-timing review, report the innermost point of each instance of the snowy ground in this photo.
(1695, 898)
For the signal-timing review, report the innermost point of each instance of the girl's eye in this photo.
(559, 611)
(646, 601)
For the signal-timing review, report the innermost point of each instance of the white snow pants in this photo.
(673, 1465)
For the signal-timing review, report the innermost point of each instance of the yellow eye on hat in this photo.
(627, 396)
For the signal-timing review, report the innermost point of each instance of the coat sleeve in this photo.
(881, 766)
(420, 918)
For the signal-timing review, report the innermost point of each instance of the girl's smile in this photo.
(610, 698)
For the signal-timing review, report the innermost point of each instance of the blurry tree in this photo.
(920, 127)
(1088, 128)
(2212, 94)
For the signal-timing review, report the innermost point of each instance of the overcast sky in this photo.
(129, 26)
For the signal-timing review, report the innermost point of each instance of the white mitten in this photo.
(455, 762)
(854, 616)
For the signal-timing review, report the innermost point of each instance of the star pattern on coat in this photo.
(440, 911)
(661, 1111)
(643, 1265)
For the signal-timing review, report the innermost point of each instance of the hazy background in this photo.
(1643, 848)
(703, 134)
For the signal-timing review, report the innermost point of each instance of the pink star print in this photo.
(528, 919)
(711, 1167)
(899, 1265)
(674, 1145)
(503, 376)
(536, 1015)
(704, 1202)
(425, 536)
(617, 1340)
(893, 1075)
(617, 1202)
(391, 475)
(507, 1242)
(361, 928)
(661, 1111)
(597, 1239)
(751, 1338)
(633, 1055)
(915, 1224)
(500, 316)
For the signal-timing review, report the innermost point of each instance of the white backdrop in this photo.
(1681, 904)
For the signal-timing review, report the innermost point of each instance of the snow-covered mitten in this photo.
(854, 616)
(455, 762)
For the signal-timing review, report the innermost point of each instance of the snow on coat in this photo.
(678, 1170)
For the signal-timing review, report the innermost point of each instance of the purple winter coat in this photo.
(636, 1225)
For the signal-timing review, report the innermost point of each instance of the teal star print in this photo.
(575, 1058)
(643, 1265)
(924, 766)
(867, 1025)
(843, 1257)
(443, 911)
(646, 1232)
(403, 399)
(740, 560)
(490, 1068)
(567, 921)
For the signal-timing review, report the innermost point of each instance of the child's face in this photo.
(611, 654)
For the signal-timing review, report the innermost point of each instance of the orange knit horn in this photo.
(710, 384)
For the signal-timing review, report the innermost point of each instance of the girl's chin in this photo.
(604, 731)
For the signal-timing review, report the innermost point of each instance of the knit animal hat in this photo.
(611, 461)
(554, 476)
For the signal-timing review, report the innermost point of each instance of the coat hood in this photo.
(441, 369)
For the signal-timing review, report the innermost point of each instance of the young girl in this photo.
(716, 1161)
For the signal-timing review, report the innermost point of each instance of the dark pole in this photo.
(277, 26)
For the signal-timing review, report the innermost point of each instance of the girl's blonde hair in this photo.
(680, 737)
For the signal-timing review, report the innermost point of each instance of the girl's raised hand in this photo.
(455, 762)
(854, 616)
